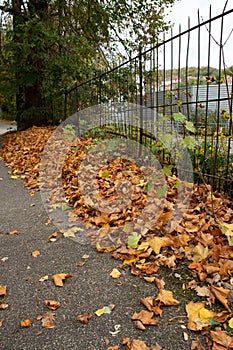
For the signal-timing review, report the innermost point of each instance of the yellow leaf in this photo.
(130, 260)
(115, 273)
(100, 312)
(159, 242)
(44, 278)
(200, 253)
(58, 278)
(230, 322)
(198, 316)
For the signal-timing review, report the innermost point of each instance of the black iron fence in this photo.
(190, 90)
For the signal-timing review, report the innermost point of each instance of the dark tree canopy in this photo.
(47, 45)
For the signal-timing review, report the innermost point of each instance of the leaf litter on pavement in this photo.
(200, 240)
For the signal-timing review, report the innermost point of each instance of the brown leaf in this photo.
(3, 306)
(59, 278)
(145, 317)
(2, 291)
(197, 345)
(221, 338)
(47, 320)
(221, 294)
(148, 302)
(84, 318)
(139, 325)
(115, 273)
(113, 348)
(52, 304)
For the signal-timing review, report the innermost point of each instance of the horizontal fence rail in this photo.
(162, 79)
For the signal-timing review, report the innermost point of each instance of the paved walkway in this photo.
(6, 125)
(90, 287)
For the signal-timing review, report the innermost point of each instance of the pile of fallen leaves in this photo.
(200, 238)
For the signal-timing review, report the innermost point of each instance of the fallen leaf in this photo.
(59, 278)
(105, 310)
(139, 325)
(14, 232)
(221, 294)
(52, 304)
(198, 316)
(222, 339)
(113, 348)
(85, 256)
(133, 240)
(197, 345)
(84, 318)
(200, 253)
(166, 298)
(44, 278)
(25, 323)
(53, 237)
(35, 253)
(3, 291)
(3, 306)
(146, 317)
(230, 322)
(115, 273)
(159, 242)
(47, 320)
(1, 323)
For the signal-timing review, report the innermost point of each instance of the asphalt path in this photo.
(90, 288)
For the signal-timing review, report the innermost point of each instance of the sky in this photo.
(183, 9)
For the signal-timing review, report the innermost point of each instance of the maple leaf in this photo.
(200, 253)
(159, 242)
(198, 316)
(133, 240)
(59, 278)
(166, 298)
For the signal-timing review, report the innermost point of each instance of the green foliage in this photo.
(133, 240)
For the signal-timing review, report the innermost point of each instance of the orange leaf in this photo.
(35, 253)
(2, 291)
(25, 323)
(159, 242)
(58, 278)
(14, 232)
(115, 273)
(198, 316)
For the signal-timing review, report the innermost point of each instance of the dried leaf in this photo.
(198, 316)
(35, 253)
(221, 294)
(84, 318)
(47, 320)
(52, 304)
(3, 306)
(159, 242)
(115, 273)
(14, 232)
(3, 291)
(166, 298)
(44, 278)
(59, 278)
(25, 323)
(222, 339)
(145, 317)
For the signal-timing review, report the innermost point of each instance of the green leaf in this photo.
(179, 117)
(189, 126)
(190, 142)
(167, 170)
(133, 240)
(161, 191)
